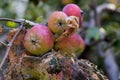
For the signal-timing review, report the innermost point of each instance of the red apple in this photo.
(38, 40)
(71, 44)
(73, 10)
(57, 22)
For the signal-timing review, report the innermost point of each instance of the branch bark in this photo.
(111, 65)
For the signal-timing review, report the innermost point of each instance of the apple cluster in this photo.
(61, 33)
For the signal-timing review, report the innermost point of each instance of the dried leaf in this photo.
(11, 34)
(19, 39)
(95, 76)
(12, 55)
(1, 30)
(15, 58)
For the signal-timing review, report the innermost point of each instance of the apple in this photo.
(38, 40)
(70, 44)
(57, 22)
(74, 10)
(73, 24)
(72, 27)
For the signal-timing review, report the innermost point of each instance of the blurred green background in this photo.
(100, 29)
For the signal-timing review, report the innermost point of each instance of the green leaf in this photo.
(11, 24)
(39, 19)
(93, 33)
(113, 29)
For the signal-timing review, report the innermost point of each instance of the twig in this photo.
(3, 43)
(10, 44)
(105, 6)
(30, 22)
(7, 19)
(100, 51)
(19, 21)
(111, 65)
(101, 8)
(39, 57)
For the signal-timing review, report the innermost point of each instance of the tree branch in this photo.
(7, 19)
(3, 43)
(22, 22)
(111, 65)
(19, 21)
(10, 44)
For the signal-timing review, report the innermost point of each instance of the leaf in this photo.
(93, 33)
(11, 24)
(116, 45)
(39, 19)
(19, 39)
(113, 29)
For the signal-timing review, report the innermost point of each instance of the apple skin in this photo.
(71, 44)
(38, 40)
(57, 22)
(74, 10)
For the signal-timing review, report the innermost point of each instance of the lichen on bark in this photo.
(51, 66)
